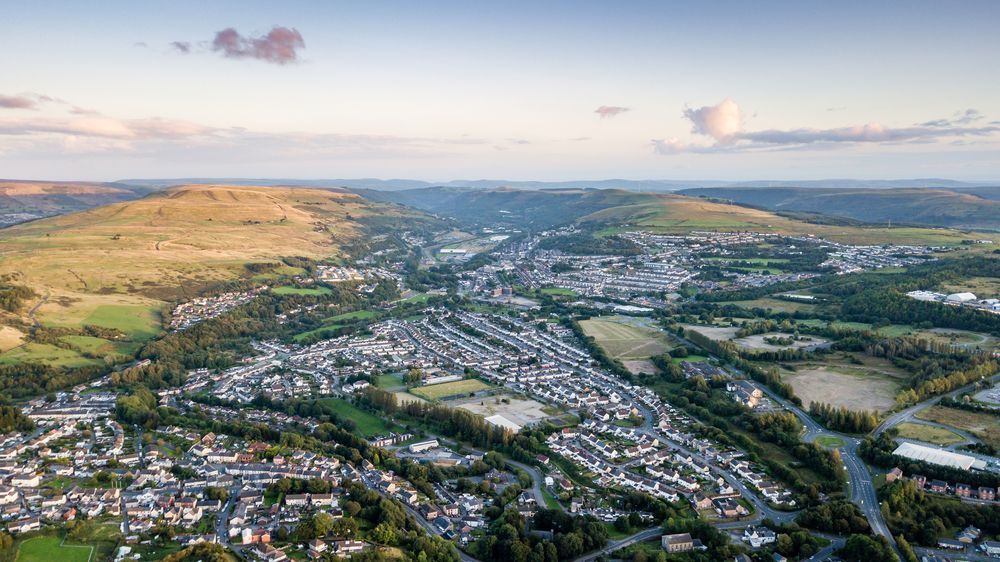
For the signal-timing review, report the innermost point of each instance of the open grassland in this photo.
(928, 434)
(677, 213)
(444, 390)
(870, 386)
(118, 265)
(984, 426)
(626, 341)
(960, 338)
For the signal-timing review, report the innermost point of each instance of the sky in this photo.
(551, 90)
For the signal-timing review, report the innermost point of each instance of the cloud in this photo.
(721, 122)
(279, 46)
(91, 125)
(958, 118)
(609, 111)
(18, 102)
(181, 46)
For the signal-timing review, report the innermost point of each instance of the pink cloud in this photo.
(279, 46)
(609, 111)
(18, 102)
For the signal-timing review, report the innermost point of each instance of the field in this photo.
(983, 426)
(872, 386)
(928, 434)
(558, 292)
(368, 424)
(520, 411)
(98, 346)
(49, 548)
(350, 316)
(47, 354)
(830, 441)
(960, 338)
(305, 291)
(777, 305)
(756, 342)
(625, 339)
(444, 390)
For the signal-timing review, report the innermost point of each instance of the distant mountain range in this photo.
(965, 208)
(629, 185)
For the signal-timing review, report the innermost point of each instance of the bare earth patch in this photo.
(639, 367)
(520, 411)
(713, 332)
(850, 388)
(757, 342)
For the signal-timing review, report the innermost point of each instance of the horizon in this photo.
(526, 92)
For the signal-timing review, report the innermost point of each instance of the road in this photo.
(909, 413)
(641, 536)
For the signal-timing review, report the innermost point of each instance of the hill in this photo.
(915, 206)
(612, 210)
(517, 207)
(28, 200)
(117, 265)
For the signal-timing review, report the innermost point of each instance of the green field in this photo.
(139, 322)
(779, 305)
(368, 424)
(389, 381)
(45, 353)
(438, 391)
(558, 292)
(350, 316)
(50, 548)
(98, 346)
(303, 291)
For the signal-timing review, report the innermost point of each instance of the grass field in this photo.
(757, 342)
(50, 548)
(558, 292)
(982, 287)
(928, 434)
(389, 381)
(368, 424)
(306, 291)
(457, 388)
(99, 346)
(351, 316)
(983, 426)
(625, 341)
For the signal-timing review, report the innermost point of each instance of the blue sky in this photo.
(444, 90)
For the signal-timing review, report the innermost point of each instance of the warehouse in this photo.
(937, 456)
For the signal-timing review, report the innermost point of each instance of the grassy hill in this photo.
(915, 206)
(117, 265)
(40, 199)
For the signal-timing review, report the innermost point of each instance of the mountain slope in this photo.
(128, 258)
(933, 207)
(27, 200)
